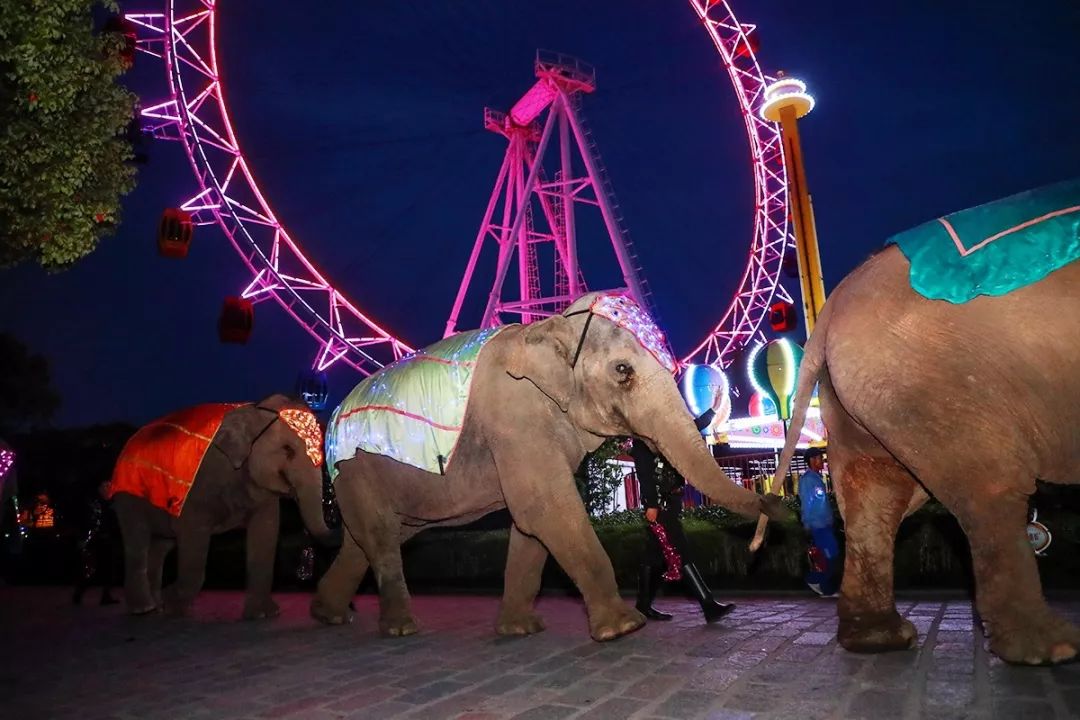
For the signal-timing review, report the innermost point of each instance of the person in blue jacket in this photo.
(817, 518)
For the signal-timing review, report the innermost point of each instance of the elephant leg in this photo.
(192, 546)
(876, 493)
(338, 585)
(556, 516)
(873, 492)
(261, 550)
(135, 532)
(374, 525)
(159, 550)
(1008, 590)
(524, 566)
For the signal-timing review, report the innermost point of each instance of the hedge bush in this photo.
(931, 552)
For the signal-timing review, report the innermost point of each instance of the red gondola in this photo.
(782, 316)
(174, 233)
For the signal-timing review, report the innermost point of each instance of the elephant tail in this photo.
(809, 370)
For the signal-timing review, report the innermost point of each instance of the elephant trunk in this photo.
(309, 498)
(666, 422)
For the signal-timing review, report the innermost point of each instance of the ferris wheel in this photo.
(194, 111)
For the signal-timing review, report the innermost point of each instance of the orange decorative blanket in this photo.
(159, 462)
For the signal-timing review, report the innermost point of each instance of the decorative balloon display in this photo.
(761, 406)
(774, 370)
(706, 387)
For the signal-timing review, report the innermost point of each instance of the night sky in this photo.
(363, 122)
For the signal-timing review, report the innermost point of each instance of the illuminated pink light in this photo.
(399, 411)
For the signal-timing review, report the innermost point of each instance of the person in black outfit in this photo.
(98, 548)
(661, 495)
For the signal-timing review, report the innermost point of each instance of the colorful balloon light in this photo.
(761, 405)
(774, 370)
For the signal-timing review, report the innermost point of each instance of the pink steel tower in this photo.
(521, 180)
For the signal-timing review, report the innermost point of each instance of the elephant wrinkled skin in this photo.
(254, 460)
(971, 402)
(532, 417)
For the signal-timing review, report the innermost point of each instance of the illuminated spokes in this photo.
(196, 114)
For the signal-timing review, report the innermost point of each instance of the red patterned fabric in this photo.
(160, 461)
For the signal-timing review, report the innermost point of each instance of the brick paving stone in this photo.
(686, 704)
(434, 691)
(613, 709)
(653, 687)
(1022, 709)
(876, 705)
(547, 712)
(587, 692)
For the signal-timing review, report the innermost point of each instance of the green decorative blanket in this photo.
(995, 248)
(412, 410)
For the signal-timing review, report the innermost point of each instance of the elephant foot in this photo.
(1047, 641)
(398, 625)
(519, 623)
(141, 610)
(177, 606)
(614, 622)
(260, 609)
(321, 611)
(881, 632)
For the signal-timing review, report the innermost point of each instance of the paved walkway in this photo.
(773, 657)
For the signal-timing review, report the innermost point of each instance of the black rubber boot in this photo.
(647, 587)
(712, 609)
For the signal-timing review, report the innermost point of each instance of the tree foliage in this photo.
(27, 397)
(598, 477)
(63, 120)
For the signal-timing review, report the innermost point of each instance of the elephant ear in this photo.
(239, 429)
(543, 356)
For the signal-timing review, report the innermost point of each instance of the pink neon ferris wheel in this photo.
(195, 113)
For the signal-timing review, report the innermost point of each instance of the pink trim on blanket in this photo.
(965, 251)
(396, 411)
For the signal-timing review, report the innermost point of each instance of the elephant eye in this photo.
(624, 371)
(289, 452)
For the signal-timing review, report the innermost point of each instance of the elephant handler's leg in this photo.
(874, 492)
(524, 566)
(135, 532)
(261, 550)
(192, 546)
(553, 513)
(338, 586)
(1008, 591)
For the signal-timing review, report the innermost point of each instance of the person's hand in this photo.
(651, 514)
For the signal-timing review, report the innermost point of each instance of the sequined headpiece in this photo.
(627, 314)
(305, 425)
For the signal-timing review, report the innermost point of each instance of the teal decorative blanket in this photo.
(412, 410)
(995, 248)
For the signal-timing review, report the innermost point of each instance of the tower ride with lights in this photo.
(561, 80)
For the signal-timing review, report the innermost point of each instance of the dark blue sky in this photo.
(363, 123)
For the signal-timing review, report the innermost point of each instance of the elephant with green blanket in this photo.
(542, 396)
